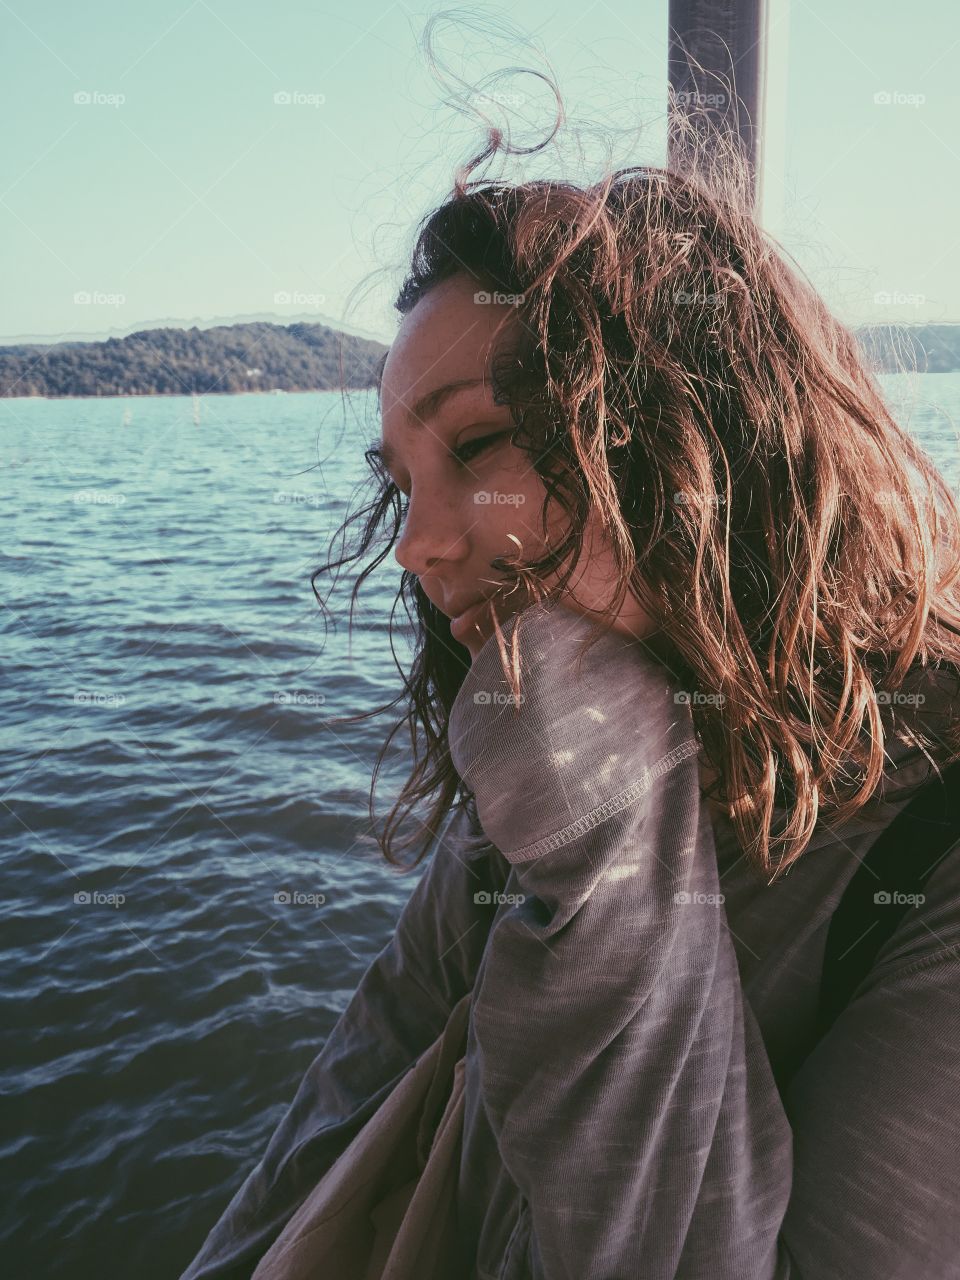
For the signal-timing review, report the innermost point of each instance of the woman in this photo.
(687, 637)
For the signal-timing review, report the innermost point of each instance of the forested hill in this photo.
(226, 358)
(307, 357)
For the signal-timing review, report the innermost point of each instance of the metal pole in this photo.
(728, 39)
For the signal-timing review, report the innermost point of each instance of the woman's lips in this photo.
(476, 623)
(463, 625)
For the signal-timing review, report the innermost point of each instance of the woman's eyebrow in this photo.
(427, 406)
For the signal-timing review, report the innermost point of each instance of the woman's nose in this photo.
(432, 530)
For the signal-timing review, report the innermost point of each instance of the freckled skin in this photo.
(449, 538)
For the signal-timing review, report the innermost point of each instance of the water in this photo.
(167, 773)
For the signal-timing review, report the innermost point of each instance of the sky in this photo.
(195, 161)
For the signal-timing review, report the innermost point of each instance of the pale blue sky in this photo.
(183, 191)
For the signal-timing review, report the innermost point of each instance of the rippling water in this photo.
(167, 772)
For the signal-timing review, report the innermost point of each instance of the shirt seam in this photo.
(950, 952)
(622, 800)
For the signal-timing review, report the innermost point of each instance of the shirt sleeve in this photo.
(398, 1009)
(624, 1074)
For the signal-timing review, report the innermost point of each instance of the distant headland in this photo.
(227, 359)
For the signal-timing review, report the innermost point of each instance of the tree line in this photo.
(313, 357)
(227, 358)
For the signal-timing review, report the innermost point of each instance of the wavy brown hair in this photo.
(674, 374)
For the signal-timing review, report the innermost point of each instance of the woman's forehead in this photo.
(450, 345)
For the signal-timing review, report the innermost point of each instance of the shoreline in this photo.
(189, 395)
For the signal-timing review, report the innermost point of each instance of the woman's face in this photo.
(473, 496)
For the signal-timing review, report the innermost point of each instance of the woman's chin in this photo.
(481, 634)
(482, 630)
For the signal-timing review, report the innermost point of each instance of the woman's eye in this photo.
(473, 447)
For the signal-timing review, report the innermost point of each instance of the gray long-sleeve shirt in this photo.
(638, 992)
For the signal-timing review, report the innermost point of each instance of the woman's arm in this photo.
(625, 1078)
(398, 1009)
